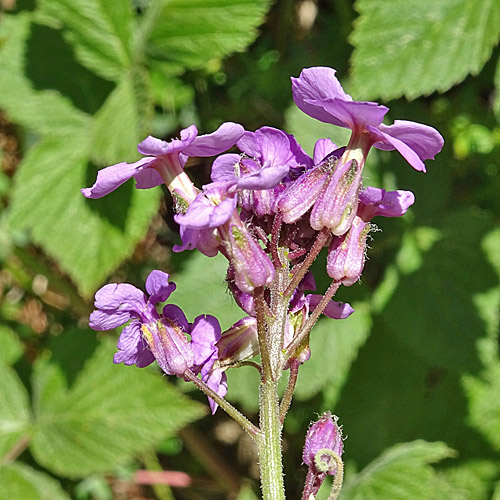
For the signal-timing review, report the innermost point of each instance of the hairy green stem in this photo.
(260, 309)
(290, 389)
(269, 443)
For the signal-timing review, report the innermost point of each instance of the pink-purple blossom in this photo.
(318, 93)
(164, 161)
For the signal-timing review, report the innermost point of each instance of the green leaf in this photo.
(89, 238)
(100, 31)
(415, 47)
(192, 32)
(43, 111)
(201, 289)
(246, 493)
(111, 413)
(14, 409)
(433, 280)
(400, 473)
(334, 346)
(469, 480)
(308, 130)
(12, 347)
(115, 130)
(484, 403)
(496, 103)
(21, 482)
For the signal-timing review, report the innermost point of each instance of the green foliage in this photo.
(48, 183)
(200, 292)
(14, 410)
(186, 31)
(334, 345)
(109, 415)
(484, 403)
(22, 482)
(416, 47)
(12, 348)
(400, 473)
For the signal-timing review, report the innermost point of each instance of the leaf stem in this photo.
(332, 290)
(235, 414)
(301, 269)
(290, 389)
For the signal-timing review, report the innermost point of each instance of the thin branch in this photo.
(290, 389)
(301, 269)
(235, 414)
(332, 290)
(260, 309)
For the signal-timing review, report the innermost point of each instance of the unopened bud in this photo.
(169, 346)
(346, 256)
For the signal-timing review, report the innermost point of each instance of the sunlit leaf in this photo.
(415, 47)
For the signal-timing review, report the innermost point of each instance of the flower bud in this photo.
(239, 342)
(323, 436)
(322, 451)
(336, 207)
(346, 256)
(169, 345)
(252, 267)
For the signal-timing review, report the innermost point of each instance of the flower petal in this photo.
(205, 332)
(175, 314)
(152, 146)
(110, 178)
(216, 142)
(120, 297)
(147, 179)
(424, 140)
(334, 309)
(322, 149)
(158, 286)
(107, 320)
(352, 114)
(217, 381)
(318, 83)
(223, 168)
(133, 349)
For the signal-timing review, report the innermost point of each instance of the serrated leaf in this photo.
(100, 31)
(115, 127)
(88, 238)
(469, 480)
(334, 345)
(484, 403)
(400, 473)
(111, 413)
(432, 280)
(415, 47)
(43, 111)
(191, 32)
(14, 409)
(20, 482)
(12, 347)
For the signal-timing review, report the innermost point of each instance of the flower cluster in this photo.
(270, 209)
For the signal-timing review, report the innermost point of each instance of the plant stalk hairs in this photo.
(269, 210)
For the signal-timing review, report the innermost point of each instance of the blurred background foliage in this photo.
(414, 374)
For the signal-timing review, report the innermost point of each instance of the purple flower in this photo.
(347, 253)
(164, 162)
(148, 336)
(319, 94)
(205, 333)
(215, 208)
(268, 156)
